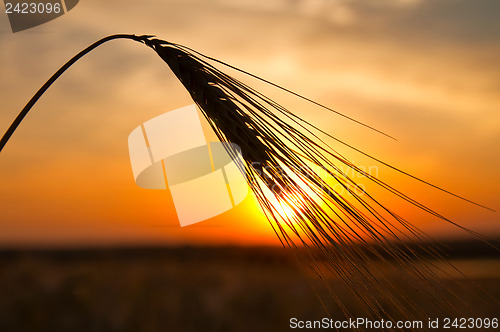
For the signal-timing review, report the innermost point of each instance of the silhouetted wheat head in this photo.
(278, 149)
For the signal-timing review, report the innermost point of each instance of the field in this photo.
(191, 289)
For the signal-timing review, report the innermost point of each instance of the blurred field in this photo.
(186, 289)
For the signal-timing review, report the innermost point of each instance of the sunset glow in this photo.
(66, 177)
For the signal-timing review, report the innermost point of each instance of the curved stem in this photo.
(54, 77)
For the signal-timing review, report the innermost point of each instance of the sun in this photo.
(296, 202)
(288, 205)
(288, 210)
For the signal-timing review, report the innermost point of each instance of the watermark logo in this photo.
(26, 14)
(204, 179)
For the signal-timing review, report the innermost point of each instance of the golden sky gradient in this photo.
(425, 72)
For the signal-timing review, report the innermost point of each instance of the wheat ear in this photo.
(278, 148)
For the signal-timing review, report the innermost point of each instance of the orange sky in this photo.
(424, 73)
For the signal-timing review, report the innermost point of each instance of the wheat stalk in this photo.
(326, 226)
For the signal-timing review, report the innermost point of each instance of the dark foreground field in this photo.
(190, 289)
